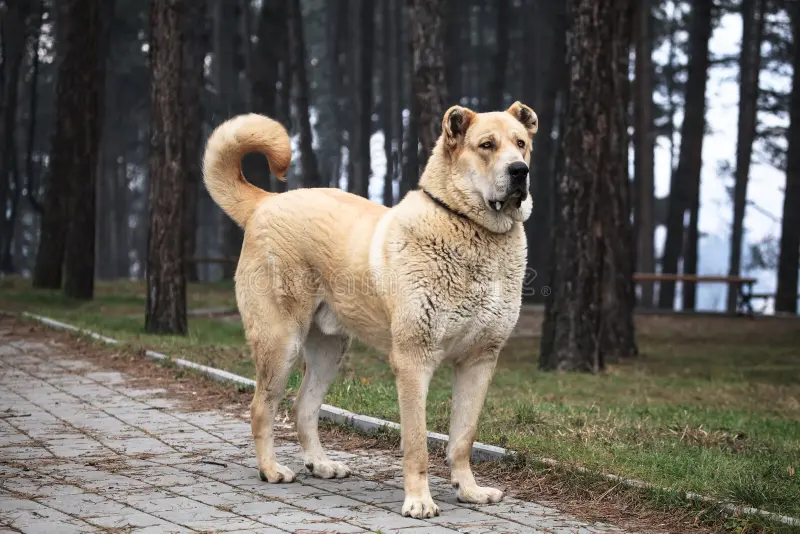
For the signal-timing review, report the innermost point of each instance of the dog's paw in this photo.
(327, 469)
(420, 507)
(478, 494)
(276, 474)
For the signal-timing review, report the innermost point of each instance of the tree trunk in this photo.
(749, 71)
(789, 260)
(192, 83)
(337, 16)
(309, 173)
(284, 114)
(500, 63)
(550, 79)
(398, 73)
(457, 16)
(685, 183)
(12, 27)
(387, 99)
(166, 280)
(223, 71)
(104, 228)
(273, 46)
(593, 229)
(121, 225)
(363, 43)
(264, 76)
(228, 104)
(411, 164)
(644, 207)
(690, 252)
(426, 34)
(472, 44)
(31, 182)
(670, 83)
(90, 20)
(246, 52)
(483, 57)
(65, 157)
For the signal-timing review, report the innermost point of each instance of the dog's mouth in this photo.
(515, 199)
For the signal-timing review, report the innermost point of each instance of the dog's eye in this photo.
(486, 145)
(521, 144)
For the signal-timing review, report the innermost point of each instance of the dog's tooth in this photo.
(498, 205)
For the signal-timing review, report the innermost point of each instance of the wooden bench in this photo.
(744, 286)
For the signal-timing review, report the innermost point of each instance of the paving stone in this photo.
(44, 520)
(262, 508)
(203, 488)
(14, 504)
(427, 529)
(25, 453)
(134, 520)
(327, 501)
(225, 524)
(296, 519)
(145, 494)
(198, 518)
(162, 529)
(170, 504)
(96, 453)
(374, 518)
(45, 526)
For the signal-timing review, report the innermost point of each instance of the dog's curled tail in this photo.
(222, 172)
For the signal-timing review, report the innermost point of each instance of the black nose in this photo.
(518, 171)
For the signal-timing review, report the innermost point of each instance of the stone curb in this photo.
(365, 423)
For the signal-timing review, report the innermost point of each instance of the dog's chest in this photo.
(475, 293)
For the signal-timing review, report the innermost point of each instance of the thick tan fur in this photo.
(423, 282)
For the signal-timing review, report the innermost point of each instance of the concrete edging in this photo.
(365, 423)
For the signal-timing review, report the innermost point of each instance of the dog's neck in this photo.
(438, 181)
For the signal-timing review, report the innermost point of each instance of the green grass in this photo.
(711, 406)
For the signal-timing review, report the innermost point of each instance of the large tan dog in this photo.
(436, 278)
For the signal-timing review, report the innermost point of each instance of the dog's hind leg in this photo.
(470, 383)
(323, 355)
(275, 332)
(275, 357)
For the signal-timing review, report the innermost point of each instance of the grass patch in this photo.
(711, 406)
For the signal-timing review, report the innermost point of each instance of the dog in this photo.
(436, 278)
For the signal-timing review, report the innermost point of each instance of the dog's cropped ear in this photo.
(455, 124)
(526, 116)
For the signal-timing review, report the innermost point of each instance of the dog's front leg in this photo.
(470, 383)
(413, 379)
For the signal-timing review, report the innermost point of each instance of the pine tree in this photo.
(592, 241)
(789, 259)
(685, 183)
(749, 71)
(310, 176)
(644, 145)
(426, 28)
(166, 280)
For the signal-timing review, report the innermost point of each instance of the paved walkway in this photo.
(83, 450)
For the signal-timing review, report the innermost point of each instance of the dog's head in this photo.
(489, 155)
